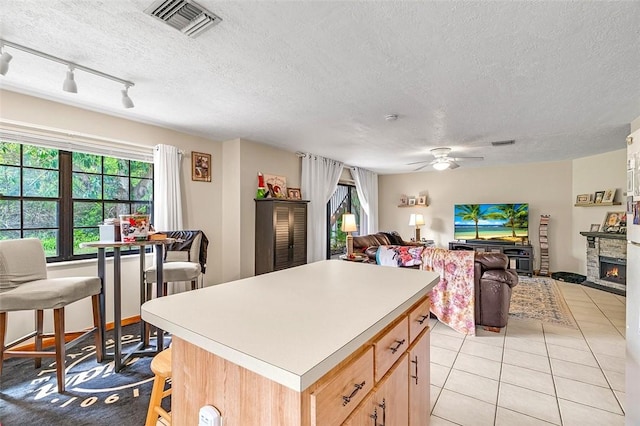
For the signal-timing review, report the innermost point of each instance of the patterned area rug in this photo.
(539, 298)
(95, 394)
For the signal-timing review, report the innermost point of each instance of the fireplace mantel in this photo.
(604, 235)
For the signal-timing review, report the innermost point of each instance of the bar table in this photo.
(120, 359)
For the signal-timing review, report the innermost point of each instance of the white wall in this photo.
(591, 174)
(223, 208)
(254, 158)
(545, 186)
(633, 338)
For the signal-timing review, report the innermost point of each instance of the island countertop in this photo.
(292, 326)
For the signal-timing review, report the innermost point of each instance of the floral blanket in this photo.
(399, 255)
(452, 299)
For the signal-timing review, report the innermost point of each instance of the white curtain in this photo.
(167, 213)
(319, 180)
(367, 187)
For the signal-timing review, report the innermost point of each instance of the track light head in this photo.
(126, 100)
(5, 58)
(69, 84)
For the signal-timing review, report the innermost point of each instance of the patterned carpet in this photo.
(539, 298)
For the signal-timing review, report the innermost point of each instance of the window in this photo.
(344, 200)
(61, 197)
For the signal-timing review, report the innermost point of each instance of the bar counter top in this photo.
(292, 326)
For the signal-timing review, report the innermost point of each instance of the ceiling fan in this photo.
(442, 161)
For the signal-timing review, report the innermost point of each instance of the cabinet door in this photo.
(419, 365)
(299, 234)
(365, 415)
(282, 236)
(392, 396)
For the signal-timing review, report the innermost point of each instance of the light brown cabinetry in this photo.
(281, 234)
(387, 405)
(419, 388)
(376, 380)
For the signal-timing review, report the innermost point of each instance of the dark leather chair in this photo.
(493, 285)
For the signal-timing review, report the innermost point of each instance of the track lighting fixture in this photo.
(5, 58)
(126, 100)
(69, 84)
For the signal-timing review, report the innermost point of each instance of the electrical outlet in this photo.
(209, 416)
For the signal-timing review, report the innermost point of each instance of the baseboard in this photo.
(49, 342)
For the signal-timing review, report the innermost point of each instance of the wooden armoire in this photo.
(281, 234)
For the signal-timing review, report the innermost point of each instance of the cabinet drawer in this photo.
(332, 403)
(418, 319)
(390, 347)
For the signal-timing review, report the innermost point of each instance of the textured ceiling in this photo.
(561, 78)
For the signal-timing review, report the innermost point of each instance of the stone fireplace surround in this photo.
(605, 245)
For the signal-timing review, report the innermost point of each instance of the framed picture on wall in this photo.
(412, 201)
(200, 167)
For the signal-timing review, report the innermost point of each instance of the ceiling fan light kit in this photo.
(441, 165)
(442, 161)
(69, 84)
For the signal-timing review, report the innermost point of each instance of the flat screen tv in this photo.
(491, 222)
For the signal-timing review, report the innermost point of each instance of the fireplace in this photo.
(613, 269)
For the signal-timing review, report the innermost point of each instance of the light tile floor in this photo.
(534, 373)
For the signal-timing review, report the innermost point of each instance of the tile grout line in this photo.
(594, 357)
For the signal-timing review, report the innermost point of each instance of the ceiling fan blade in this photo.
(418, 162)
(453, 165)
(421, 167)
(466, 158)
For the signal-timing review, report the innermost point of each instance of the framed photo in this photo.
(422, 200)
(583, 199)
(277, 185)
(599, 195)
(595, 227)
(613, 221)
(294, 193)
(412, 201)
(609, 194)
(404, 200)
(201, 167)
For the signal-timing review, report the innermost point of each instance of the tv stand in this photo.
(520, 256)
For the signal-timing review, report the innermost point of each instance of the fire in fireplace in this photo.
(613, 269)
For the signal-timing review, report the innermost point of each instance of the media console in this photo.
(520, 256)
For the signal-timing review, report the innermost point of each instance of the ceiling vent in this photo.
(186, 16)
(503, 143)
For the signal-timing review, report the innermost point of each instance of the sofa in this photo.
(493, 281)
(368, 244)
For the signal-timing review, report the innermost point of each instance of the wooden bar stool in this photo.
(161, 367)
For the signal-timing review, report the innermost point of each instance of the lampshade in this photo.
(441, 165)
(416, 219)
(349, 223)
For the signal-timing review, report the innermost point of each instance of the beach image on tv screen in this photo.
(506, 222)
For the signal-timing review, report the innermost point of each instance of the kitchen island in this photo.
(312, 345)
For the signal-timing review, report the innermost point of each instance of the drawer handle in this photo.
(416, 363)
(356, 388)
(395, 348)
(384, 411)
(422, 319)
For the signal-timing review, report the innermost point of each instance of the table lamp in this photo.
(349, 225)
(416, 220)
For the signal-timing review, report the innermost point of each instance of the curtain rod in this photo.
(304, 154)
